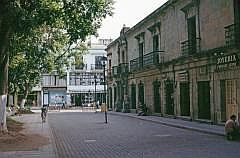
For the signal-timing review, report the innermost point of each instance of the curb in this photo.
(173, 125)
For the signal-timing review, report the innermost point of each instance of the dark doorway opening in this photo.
(110, 98)
(157, 97)
(169, 97)
(184, 99)
(223, 100)
(204, 100)
(141, 93)
(133, 96)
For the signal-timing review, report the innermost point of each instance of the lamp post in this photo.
(88, 97)
(95, 84)
(104, 80)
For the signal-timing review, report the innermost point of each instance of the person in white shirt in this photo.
(231, 128)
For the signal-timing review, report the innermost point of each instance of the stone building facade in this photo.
(182, 61)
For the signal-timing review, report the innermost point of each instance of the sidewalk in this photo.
(179, 123)
(72, 109)
(33, 125)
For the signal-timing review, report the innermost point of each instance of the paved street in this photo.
(85, 135)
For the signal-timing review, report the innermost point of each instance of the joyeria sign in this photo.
(227, 62)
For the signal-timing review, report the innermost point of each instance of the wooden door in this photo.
(231, 98)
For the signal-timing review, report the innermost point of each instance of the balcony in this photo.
(190, 47)
(123, 68)
(152, 58)
(134, 64)
(96, 67)
(148, 60)
(120, 69)
(56, 83)
(232, 35)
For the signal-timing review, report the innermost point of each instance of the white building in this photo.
(82, 85)
(85, 84)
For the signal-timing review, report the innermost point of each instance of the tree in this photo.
(39, 54)
(18, 18)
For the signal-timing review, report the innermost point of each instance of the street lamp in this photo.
(95, 83)
(104, 59)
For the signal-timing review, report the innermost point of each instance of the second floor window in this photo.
(191, 26)
(109, 65)
(118, 53)
(123, 57)
(140, 48)
(155, 43)
(98, 64)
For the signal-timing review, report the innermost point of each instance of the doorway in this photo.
(204, 100)
(141, 93)
(110, 98)
(184, 99)
(157, 97)
(133, 96)
(169, 97)
(231, 98)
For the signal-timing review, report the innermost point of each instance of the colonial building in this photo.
(182, 61)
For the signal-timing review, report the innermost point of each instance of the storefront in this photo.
(227, 74)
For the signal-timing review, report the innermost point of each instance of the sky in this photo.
(128, 12)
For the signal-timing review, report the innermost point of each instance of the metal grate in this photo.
(190, 47)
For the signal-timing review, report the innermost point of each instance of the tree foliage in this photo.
(38, 34)
(43, 33)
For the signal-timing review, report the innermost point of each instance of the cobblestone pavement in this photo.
(179, 123)
(85, 135)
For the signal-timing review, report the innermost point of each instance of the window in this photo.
(191, 25)
(98, 64)
(118, 55)
(123, 57)
(236, 11)
(140, 49)
(155, 43)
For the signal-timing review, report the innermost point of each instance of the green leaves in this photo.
(45, 34)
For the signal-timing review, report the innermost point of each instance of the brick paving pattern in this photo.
(34, 125)
(85, 135)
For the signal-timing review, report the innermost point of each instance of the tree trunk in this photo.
(25, 96)
(5, 31)
(15, 100)
(3, 91)
(3, 102)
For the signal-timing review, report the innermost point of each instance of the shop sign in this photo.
(227, 62)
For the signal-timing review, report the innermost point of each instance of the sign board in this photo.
(227, 62)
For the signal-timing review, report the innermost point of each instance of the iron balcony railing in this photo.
(190, 47)
(134, 64)
(120, 69)
(96, 67)
(154, 58)
(123, 68)
(232, 35)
